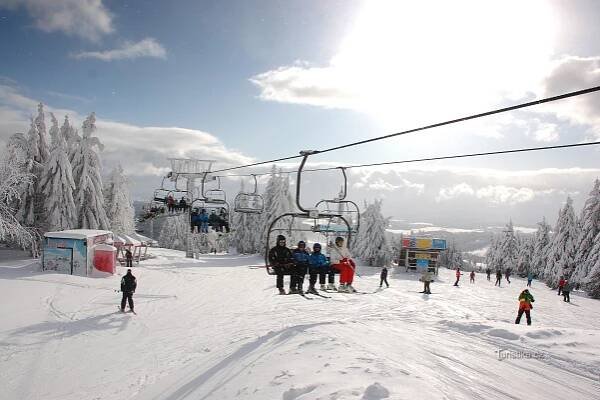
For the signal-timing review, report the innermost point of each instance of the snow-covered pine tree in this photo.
(28, 210)
(71, 137)
(57, 184)
(371, 244)
(508, 248)
(244, 231)
(541, 243)
(119, 209)
(492, 259)
(561, 256)
(40, 124)
(12, 178)
(526, 244)
(173, 234)
(451, 258)
(86, 172)
(588, 235)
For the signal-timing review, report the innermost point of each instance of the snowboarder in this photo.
(128, 259)
(561, 284)
(472, 276)
(525, 306)
(128, 286)
(426, 279)
(301, 258)
(458, 274)
(568, 286)
(498, 278)
(280, 257)
(529, 279)
(383, 277)
(507, 275)
(318, 265)
(341, 260)
(488, 272)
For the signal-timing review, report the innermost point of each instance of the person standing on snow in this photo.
(498, 277)
(128, 286)
(383, 277)
(561, 284)
(301, 258)
(426, 279)
(458, 274)
(281, 259)
(525, 306)
(488, 272)
(472, 276)
(566, 290)
(318, 265)
(529, 278)
(507, 275)
(128, 259)
(341, 260)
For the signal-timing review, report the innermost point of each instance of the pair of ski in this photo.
(304, 294)
(123, 311)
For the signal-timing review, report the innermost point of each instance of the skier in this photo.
(426, 279)
(383, 277)
(529, 279)
(213, 220)
(301, 258)
(223, 221)
(128, 286)
(318, 265)
(458, 274)
(280, 257)
(568, 286)
(561, 284)
(507, 275)
(525, 306)
(170, 203)
(498, 277)
(182, 204)
(488, 272)
(341, 260)
(128, 259)
(472, 276)
(203, 221)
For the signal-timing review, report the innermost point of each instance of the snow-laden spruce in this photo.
(29, 206)
(561, 254)
(588, 236)
(174, 231)
(42, 143)
(119, 208)
(245, 229)
(541, 245)
(58, 185)
(451, 258)
(526, 244)
(508, 247)
(371, 244)
(87, 174)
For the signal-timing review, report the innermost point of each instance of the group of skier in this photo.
(300, 262)
(202, 222)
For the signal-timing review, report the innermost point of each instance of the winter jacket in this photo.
(426, 277)
(561, 283)
(568, 286)
(530, 276)
(525, 300)
(318, 261)
(128, 283)
(203, 218)
(213, 219)
(280, 256)
(128, 255)
(337, 254)
(499, 274)
(384, 273)
(301, 257)
(458, 274)
(472, 274)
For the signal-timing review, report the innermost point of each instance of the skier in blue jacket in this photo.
(301, 257)
(319, 265)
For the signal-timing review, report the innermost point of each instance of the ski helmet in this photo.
(317, 246)
(280, 238)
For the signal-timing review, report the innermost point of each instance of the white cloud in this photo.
(147, 47)
(505, 194)
(447, 193)
(88, 19)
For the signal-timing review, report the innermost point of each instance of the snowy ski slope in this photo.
(214, 329)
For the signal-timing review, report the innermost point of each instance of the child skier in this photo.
(568, 286)
(529, 279)
(498, 277)
(525, 306)
(426, 279)
(301, 258)
(128, 286)
(458, 274)
(318, 265)
(383, 277)
(561, 284)
(472, 276)
(280, 257)
(341, 260)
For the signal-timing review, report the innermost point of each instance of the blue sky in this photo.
(242, 80)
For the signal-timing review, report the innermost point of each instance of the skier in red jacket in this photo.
(561, 285)
(458, 274)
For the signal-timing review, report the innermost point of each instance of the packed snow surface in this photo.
(214, 328)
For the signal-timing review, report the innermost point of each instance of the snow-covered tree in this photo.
(371, 244)
(28, 209)
(561, 255)
(588, 236)
(119, 208)
(525, 253)
(58, 185)
(541, 244)
(451, 258)
(71, 137)
(42, 143)
(87, 174)
(245, 231)
(173, 234)
(492, 255)
(508, 247)
(12, 178)
(592, 282)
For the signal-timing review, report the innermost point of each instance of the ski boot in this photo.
(323, 286)
(342, 288)
(331, 286)
(281, 291)
(350, 289)
(293, 291)
(311, 289)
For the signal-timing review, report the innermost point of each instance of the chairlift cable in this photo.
(436, 125)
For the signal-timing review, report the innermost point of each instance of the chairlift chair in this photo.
(249, 202)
